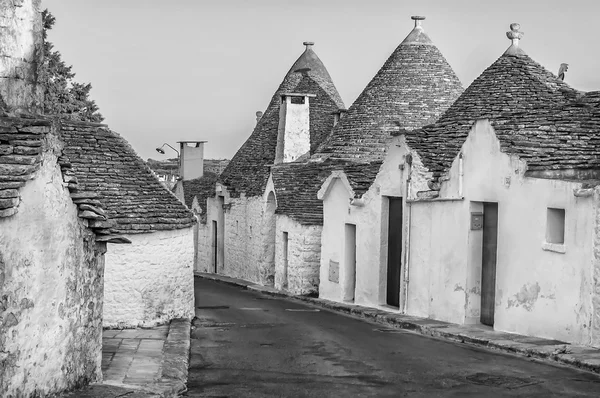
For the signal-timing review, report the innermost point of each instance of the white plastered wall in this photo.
(371, 220)
(538, 292)
(150, 281)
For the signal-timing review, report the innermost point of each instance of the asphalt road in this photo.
(246, 344)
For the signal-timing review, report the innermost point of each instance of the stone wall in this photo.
(20, 52)
(51, 282)
(150, 281)
(247, 234)
(300, 275)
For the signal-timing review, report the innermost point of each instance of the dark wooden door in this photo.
(394, 252)
(215, 246)
(488, 263)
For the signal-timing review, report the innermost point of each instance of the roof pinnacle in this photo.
(417, 19)
(514, 35)
(308, 44)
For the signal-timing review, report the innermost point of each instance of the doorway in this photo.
(285, 260)
(269, 231)
(215, 246)
(394, 264)
(350, 263)
(488, 262)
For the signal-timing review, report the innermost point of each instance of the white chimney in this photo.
(191, 161)
(293, 134)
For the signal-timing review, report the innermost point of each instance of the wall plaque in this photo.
(476, 221)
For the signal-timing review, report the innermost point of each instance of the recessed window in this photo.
(297, 100)
(555, 226)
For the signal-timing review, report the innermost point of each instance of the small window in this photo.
(555, 226)
(297, 100)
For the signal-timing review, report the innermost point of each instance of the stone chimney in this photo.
(191, 162)
(20, 53)
(293, 133)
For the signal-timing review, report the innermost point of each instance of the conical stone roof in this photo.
(535, 115)
(249, 169)
(414, 86)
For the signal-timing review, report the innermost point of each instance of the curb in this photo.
(564, 354)
(176, 359)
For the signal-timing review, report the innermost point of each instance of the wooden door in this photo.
(394, 252)
(285, 260)
(488, 263)
(350, 263)
(215, 246)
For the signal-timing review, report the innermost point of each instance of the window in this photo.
(297, 100)
(555, 226)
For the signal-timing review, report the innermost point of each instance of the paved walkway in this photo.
(144, 363)
(133, 356)
(582, 357)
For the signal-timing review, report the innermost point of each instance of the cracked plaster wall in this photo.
(51, 281)
(20, 52)
(538, 292)
(151, 280)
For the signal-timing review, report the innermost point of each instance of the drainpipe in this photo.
(408, 206)
(461, 173)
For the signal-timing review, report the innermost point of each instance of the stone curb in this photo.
(176, 359)
(565, 354)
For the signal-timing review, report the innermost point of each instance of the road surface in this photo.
(246, 344)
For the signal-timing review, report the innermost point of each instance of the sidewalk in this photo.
(582, 357)
(140, 363)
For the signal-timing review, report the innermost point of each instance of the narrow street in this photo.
(246, 344)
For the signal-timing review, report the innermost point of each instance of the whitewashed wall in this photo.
(150, 281)
(371, 222)
(538, 292)
(303, 257)
(51, 282)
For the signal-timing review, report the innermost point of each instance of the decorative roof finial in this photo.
(417, 19)
(514, 35)
(561, 71)
(308, 44)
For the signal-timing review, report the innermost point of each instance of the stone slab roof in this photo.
(200, 188)
(297, 184)
(413, 88)
(106, 171)
(21, 142)
(249, 168)
(535, 115)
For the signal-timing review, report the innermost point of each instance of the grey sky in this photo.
(164, 71)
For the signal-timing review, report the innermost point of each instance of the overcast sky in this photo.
(164, 71)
